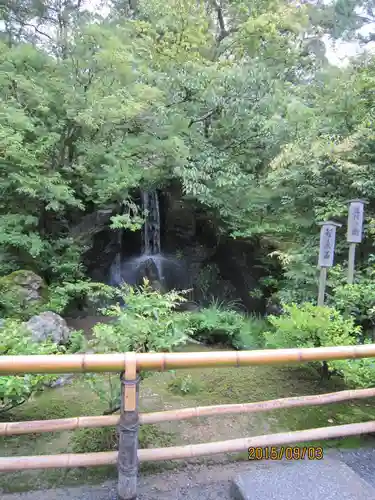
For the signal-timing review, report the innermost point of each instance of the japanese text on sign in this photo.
(355, 222)
(327, 245)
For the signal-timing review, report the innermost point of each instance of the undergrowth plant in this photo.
(183, 385)
(15, 339)
(219, 324)
(148, 322)
(357, 299)
(307, 325)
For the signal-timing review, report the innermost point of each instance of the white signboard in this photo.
(355, 221)
(327, 244)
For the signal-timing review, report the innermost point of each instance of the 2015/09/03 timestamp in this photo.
(285, 452)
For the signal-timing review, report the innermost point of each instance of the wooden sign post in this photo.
(326, 254)
(354, 234)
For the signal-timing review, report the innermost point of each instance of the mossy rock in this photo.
(22, 293)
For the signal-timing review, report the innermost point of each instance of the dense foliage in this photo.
(148, 323)
(15, 340)
(232, 99)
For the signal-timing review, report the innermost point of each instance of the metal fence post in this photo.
(127, 463)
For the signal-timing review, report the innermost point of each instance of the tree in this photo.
(225, 97)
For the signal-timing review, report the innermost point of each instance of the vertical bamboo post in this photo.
(326, 254)
(127, 462)
(354, 234)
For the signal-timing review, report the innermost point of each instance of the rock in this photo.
(92, 224)
(48, 325)
(148, 270)
(61, 381)
(273, 307)
(187, 307)
(27, 286)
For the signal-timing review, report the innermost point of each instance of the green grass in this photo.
(216, 386)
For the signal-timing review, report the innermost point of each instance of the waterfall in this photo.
(115, 270)
(151, 231)
(164, 272)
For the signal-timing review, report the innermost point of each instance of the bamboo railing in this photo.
(69, 460)
(96, 363)
(75, 423)
(129, 364)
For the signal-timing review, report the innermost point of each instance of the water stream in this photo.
(162, 271)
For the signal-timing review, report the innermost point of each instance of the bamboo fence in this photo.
(74, 423)
(182, 452)
(130, 363)
(116, 362)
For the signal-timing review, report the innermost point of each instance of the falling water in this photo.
(115, 271)
(163, 271)
(151, 231)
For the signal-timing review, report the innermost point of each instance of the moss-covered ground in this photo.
(203, 387)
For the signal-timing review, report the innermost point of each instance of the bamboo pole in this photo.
(11, 464)
(81, 363)
(64, 424)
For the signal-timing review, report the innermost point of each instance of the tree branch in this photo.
(112, 410)
(35, 28)
(188, 97)
(204, 117)
(223, 31)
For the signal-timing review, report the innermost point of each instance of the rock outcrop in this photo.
(21, 291)
(48, 325)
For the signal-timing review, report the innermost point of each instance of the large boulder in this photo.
(21, 291)
(48, 325)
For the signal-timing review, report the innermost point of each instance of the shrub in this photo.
(16, 340)
(356, 372)
(307, 325)
(357, 300)
(251, 335)
(216, 324)
(148, 323)
(77, 342)
(62, 295)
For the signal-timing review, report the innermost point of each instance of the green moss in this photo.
(13, 302)
(150, 436)
(94, 440)
(184, 385)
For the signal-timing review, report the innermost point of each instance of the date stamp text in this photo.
(285, 452)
